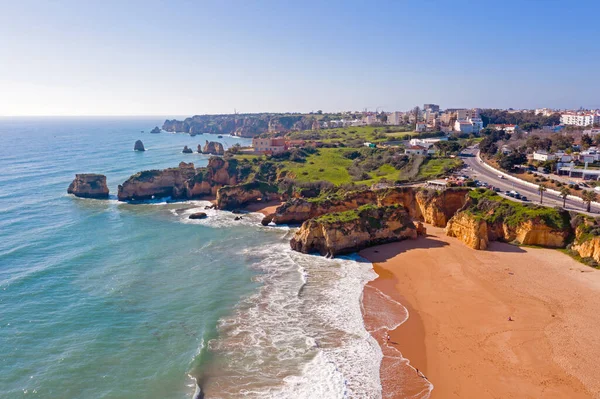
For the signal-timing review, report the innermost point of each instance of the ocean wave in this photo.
(301, 335)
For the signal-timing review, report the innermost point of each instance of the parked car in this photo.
(524, 198)
(517, 196)
(500, 177)
(507, 193)
(496, 189)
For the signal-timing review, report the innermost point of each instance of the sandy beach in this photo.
(458, 333)
(265, 208)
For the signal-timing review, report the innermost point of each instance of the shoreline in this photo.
(458, 332)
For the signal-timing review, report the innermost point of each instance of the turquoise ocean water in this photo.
(102, 299)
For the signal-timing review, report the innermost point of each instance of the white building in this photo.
(544, 111)
(543, 156)
(427, 142)
(421, 126)
(580, 118)
(415, 150)
(395, 118)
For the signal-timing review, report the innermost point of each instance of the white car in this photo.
(500, 177)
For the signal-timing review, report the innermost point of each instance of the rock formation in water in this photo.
(199, 149)
(155, 130)
(138, 146)
(187, 150)
(213, 148)
(183, 182)
(232, 197)
(350, 231)
(198, 215)
(157, 183)
(89, 185)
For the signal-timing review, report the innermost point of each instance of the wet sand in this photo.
(458, 332)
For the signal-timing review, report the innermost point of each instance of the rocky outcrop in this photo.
(471, 230)
(232, 197)
(187, 150)
(213, 148)
(437, 207)
(488, 217)
(199, 149)
(89, 185)
(155, 130)
(138, 146)
(207, 181)
(248, 125)
(150, 184)
(432, 207)
(198, 215)
(350, 231)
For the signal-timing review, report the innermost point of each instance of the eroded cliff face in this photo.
(89, 185)
(213, 148)
(232, 197)
(476, 224)
(587, 246)
(432, 207)
(157, 183)
(350, 231)
(437, 207)
(470, 229)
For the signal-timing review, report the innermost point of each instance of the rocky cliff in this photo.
(429, 205)
(157, 183)
(89, 185)
(213, 148)
(587, 239)
(469, 229)
(232, 197)
(488, 217)
(349, 231)
(246, 125)
(183, 182)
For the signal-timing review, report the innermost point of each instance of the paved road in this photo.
(477, 171)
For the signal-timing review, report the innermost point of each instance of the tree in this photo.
(586, 141)
(508, 162)
(589, 196)
(541, 189)
(564, 193)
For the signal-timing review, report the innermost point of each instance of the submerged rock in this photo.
(187, 150)
(138, 146)
(89, 185)
(198, 215)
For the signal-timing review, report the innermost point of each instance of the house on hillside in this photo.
(269, 145)
(415, 150)
(543, 156)
(420, 126)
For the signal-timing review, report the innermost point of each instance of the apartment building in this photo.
(580, 118)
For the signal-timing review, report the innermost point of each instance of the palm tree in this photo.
(541, 189)
(589, 197)
(564, 193)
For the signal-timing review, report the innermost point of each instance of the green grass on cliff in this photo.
(436, 167)
(493, 208)
(348, 216)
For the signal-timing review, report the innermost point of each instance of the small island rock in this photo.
(155, 130)
(89, 185)
(213, 148)
(187, 150)
(199, 149)
(138, 146)
(198, 215)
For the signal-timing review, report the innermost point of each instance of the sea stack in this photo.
(199, 149)
(187, 150)
(139, 146)
(213, 148)
(89, 185)
(155, 130)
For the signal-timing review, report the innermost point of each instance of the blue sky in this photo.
(194, 57)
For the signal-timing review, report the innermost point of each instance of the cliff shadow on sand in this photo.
(385, 252)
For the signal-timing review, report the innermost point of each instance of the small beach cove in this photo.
(458, 333)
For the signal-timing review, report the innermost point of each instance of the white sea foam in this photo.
(302, 334)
